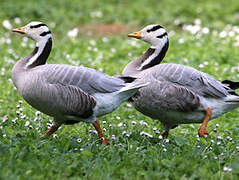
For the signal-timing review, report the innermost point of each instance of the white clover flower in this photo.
(166, 140)
(185, 60)
(52, 24)
(171, 34)
(6, 24)
(17, 20)
(27, 123)
(145, 134)
(176, 22)
(96, 14)
(157, 132)
(93, 131)
(205, 30)
(124, 132)
(120, 124)
(223, 34)
(73, 33)
(181, 41)
(130, 55)
(113, 137)
(143, 123)
(23, 44)
(227, 169)
(105, 39)
(92, 42)
(231, 33)
(197, 21)
(113, 50)
(8, 41)
(23, 116)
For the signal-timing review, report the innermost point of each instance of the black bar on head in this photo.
(45, 33)
(162, 35)
(154, 28)
(38, 25)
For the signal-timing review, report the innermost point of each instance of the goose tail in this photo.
(231, 87)
(231, 84)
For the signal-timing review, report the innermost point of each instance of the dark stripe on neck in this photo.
(158, 58)
(41, 59)
(154, 28)
(146, 54)
(37, 26)
(45, 33)
(162, 35)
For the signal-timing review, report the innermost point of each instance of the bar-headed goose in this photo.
(177, 94)
(69, 94)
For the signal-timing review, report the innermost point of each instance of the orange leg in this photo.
(202, 132)
(103, 140)
(51, 130)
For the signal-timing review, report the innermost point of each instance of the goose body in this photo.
(177, 94)
(69, 94)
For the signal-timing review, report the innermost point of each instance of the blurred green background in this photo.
(203, 34)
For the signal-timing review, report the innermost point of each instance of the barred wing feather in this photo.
(190, 78)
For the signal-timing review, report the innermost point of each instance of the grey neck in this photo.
(150, 58)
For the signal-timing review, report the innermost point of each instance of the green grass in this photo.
(74, 152)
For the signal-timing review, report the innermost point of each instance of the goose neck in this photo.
(40, 54)
(153, 56)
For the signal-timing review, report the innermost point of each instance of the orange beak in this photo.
(136, 35)
(20, 30)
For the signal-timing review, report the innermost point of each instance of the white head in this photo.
(37, 31)
(153, 34)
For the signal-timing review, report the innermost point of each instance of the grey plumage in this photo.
(177, 94)
(70, 94)
(75, 85)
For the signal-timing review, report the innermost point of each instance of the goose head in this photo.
(37, 31)
(153, 34)
(40, 33)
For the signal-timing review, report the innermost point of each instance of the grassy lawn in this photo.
(203, 34)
